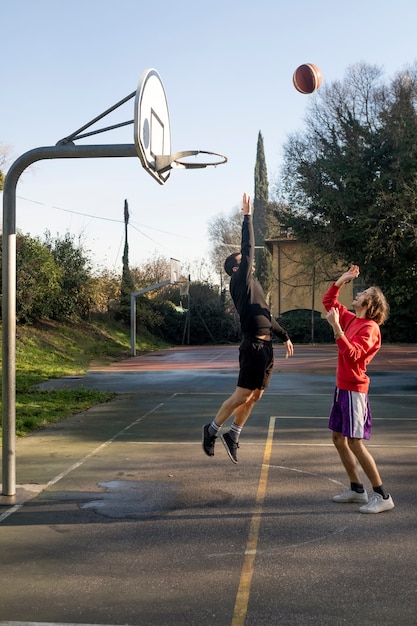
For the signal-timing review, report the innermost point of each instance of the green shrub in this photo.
(302, 327)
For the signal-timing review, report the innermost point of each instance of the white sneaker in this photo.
(351, 496)
(377, 504)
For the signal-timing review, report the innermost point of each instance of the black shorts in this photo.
(256, 360)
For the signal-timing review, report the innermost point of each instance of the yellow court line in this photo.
(242, 597)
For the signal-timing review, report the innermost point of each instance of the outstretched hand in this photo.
(352, 272)
(246, 205)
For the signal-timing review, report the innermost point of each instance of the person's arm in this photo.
(351, 274)
(331, 304)
(330, 298)
(282, 334)
(333, 318)
(248, 239)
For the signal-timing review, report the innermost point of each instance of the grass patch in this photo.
(37, 409)
(51, 350)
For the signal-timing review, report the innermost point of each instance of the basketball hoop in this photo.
(164, 163)
(152, 132)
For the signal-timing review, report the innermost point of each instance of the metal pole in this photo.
(313, 304)
(132, 324)
(9, 340)
(67, 151)
(189, 312)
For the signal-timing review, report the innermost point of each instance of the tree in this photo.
(153, 271)
(263, 259)
(349, 183)
(127, 286)
(105, 288)
(38, 280)
(4, 159)
(261, 198)
(75, 299)
(210, 320)
(225, 237)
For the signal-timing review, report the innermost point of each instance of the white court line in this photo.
(330, 444)
(290, 392)
(374, 419)
(49, 624)
(255, 443)
(76, 465)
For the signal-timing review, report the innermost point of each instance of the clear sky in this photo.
(226, 66)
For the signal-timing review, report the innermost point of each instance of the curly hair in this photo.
(377, 307)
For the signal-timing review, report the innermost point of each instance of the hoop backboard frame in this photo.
(152, 133)
(152, 128)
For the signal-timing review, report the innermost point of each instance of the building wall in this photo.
(301, 277)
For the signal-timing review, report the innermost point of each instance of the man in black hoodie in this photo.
(256, 358)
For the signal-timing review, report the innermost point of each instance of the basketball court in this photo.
(120, 517)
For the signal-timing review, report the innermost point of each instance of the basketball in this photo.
(307, 78)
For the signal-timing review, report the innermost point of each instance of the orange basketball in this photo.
(307, 78)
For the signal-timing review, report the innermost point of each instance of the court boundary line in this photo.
(16, 507)
(245, 582)
(284, 392)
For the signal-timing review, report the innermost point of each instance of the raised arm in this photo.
(246, 205)
(248, 240)
(351, 274)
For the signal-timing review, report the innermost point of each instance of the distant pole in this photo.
(189, 312)
(313, 304)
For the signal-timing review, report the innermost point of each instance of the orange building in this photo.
(301, 276)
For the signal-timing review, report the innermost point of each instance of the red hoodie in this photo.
(357, 347)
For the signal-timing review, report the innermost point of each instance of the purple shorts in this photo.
(351, 414)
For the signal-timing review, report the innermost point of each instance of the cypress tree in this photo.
(127, 285)
(263, 259)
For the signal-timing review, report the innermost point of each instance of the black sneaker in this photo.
(208, 441)
(231, 446)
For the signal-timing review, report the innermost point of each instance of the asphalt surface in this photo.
(120, 518)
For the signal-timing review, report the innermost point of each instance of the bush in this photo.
(302, 328)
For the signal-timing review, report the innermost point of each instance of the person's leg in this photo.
(351, 414)
(256, 365)
(357, 492)
(360, 421)
(347, 457)
(241, 402)
(366, 461)
(244, 410)
(255, 370)
(231, 439)
(237, 401)
(381, 500)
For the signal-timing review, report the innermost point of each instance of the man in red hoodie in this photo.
(358, 339)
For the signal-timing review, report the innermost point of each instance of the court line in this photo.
(242, 597)
(44, 624)
(326, 417)
(245, 582)
(290, 392)
(76, 465)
